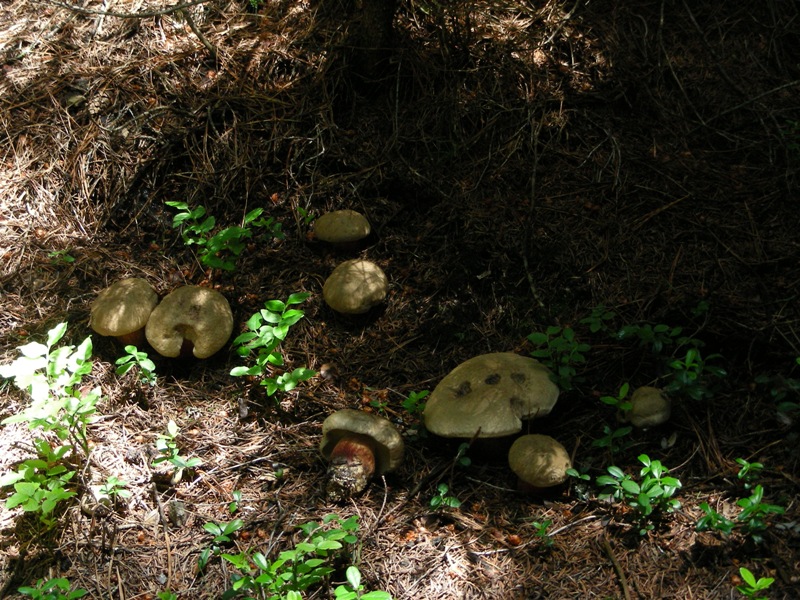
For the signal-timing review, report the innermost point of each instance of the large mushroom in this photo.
(489, 395)
(122, 310)
(539, 461)
(342, 227)
(190, 320)
(355, 286)
(649, 407)
(358, 444)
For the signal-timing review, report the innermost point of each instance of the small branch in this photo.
(623, 581)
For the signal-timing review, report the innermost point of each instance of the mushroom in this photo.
(539, 462)
(341, 227)
(190, 320)
(489, 395)
(355, 286)
(122, 309)
(649, 407)
(358, 444)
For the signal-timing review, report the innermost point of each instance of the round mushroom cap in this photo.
(539, 460)
(490, 392)
(123, 307)
(194, 314)
(341, 226)
(649, 407)
(387, 443)
(355, 286)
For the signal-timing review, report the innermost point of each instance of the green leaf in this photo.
(353, 576)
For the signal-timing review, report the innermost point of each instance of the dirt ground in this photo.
(521, 163)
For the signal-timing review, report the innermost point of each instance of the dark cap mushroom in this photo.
(492, 393)
(190, 320)
(358, 444)
(355, 286)
(539, 461)
(122, 310)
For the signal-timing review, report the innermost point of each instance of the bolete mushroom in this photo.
(358, 444)
(539, 462)
(355, 286)
(190, 320)
(649, 407)
(122, 309)
(492, 393)
(341, 227)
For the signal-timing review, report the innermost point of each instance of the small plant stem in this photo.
(623, 581)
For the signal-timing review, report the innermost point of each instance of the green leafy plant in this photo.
(353, 589)
(754, 513)
(752, 587)
(781, 389)
(266, 329)
(542, 534)
(137, 358)
(614, 439)
(713, 520)
(415, 402)
(599, 319)
(52, 589)
(650, 497)
(113, 488)
(166, 595)
(51, 377)
(60, 257)
(219, 250)
(749, 472)
(693, 375)
(307, 565)
(619, 401)
(441, 499)
(167, 446)
(655, 336)
(559, 350)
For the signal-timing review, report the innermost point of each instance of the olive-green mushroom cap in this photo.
(355, 286)
(539, 460)
(387, 442)
(491, 392)
(649, 407)
(123, 307)
(341, 226)
(194, 314)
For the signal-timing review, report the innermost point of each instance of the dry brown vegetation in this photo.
(521, 163)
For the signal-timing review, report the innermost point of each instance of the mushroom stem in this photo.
(134, 338)
(352, 464)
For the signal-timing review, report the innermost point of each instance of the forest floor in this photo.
(522, 164)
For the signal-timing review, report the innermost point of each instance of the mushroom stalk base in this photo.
(352, 464)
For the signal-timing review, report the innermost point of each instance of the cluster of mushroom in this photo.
(189, 321)
(357, 285)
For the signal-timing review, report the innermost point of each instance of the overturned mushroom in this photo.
(358, 444)
(490, 393)
(190, 320)
(539, 462)
(649, 407)
(122, 310)
(355, 286)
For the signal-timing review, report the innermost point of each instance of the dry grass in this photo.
(521, 164)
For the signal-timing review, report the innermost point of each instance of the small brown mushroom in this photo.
(355, 286)
(539, 462)
(492, 393)
(342, 227)
(649, 407)
(122, 310)
(190, 320)
(358, 444)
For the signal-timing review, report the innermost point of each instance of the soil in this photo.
(521, 165)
